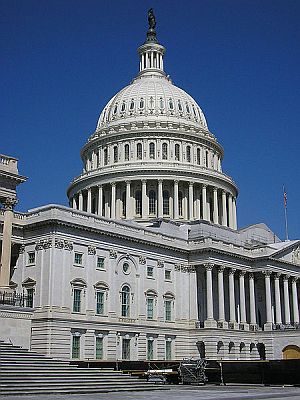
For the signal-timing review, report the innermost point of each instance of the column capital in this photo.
(267, 273)
(9, 203)
(209, 266)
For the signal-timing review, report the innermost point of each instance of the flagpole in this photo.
(285, 214)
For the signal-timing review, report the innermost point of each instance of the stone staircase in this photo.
(26, 372)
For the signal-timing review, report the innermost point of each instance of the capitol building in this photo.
(148, 261)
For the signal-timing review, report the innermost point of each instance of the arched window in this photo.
(179, 106)
(125, 301)
(180, 210)
(105, 156)
(124, 204)
(198, 156)
(139, 152)
(166, 202)
(126, 152)
(152, 202)
(138, 202)
(152, 150)
(115, 154)
(188, 153)
(165, 151)
(177, 152)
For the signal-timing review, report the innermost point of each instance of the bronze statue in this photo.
(151, 19)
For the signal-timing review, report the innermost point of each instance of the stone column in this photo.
(232, 317)
(230, 211)
(295, 301)
(252, 300)
(160, 198)
(224, 209)
(268, 324)
(210, 322)
(128, 200)
(9, 204)
(100, 200)
(89, 200)
(278, 318)
(234, 213)
(80, 201)
(113, 200)
(287, 312)
(204, 203)
(242, 297)
(176, 211)
(215, 211)
(191, 201)
(145, 211)
(221, 294)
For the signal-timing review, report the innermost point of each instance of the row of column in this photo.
(252, 298)
(223, 204)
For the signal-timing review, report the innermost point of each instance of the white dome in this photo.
(152, 94)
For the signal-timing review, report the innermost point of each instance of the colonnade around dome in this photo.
(158, 198)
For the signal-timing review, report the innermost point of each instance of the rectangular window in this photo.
(100, 262)
(100, 303)
(126, 349)
(29, 299)
(150, 349)
(167, 275)
(78, 259)
(150, 272)
(168, 308)
(76, 300)
(75, 346)
(150, 308)
(31, 257)
(168, 350)
(99, 348)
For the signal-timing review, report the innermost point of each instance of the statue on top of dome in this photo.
(151, 19)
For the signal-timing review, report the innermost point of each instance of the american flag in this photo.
(284, 197)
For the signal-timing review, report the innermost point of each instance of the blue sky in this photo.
(62, 60)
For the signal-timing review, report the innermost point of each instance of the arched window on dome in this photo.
(166, 202)
(152, 202)
(116, 154)
(179, 105)
(171, 104)
(131, 107)
(188, 153)
(161, 103)
(126, 152)
(105, 156)
(139, 151)
(198, 156)
(180, 200)
(177, 152)
(125, 301)
(124, 204)
(138, 203)
(165, 151)
(152, 150)
(142, 103)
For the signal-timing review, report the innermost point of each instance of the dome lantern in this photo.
(151, 52)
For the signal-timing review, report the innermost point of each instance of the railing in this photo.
(16, 299)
